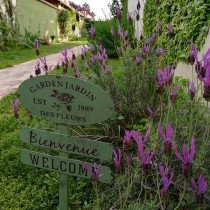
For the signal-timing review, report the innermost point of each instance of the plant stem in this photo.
(120, 194)
(142, 181)
(180, 202)
(97, 195)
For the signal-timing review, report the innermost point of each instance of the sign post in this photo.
(65, 101)
(63, 179)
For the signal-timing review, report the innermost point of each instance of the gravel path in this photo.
(12, 77)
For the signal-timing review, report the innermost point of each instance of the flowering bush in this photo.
(148, 170)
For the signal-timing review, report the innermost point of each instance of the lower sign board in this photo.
(62, 165)
(68, 144)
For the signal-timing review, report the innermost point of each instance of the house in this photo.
(84, 10)
(40, 16)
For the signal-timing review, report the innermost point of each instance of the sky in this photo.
(96, 7)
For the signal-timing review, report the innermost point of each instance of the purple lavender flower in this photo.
(130, 18)
(94, 58)
(92, 32)
(158, 26)
(152, 113)
(107, 69)
(36, 44)
(166, 181)
(193, 53)
(200, 187)
(86, 65)
(152, 38)
(45, 66)
(129, 160)
(37, 69)
(92, 48)
(29, 114)
(99, 57)
(137, 16)
(138, 60)
(104, 54)
(73, 56)
(192, 89)
(76, 73)
(138, 137)
(159, 51)
(138, 6)
(173, 95)
(146, 48)
(120, 33)
(125, 36)
(169, 27)
(117, 160)
(127, 141)
(168, 138)
(161, 80)
(146, 158)
(118, 13)
(94, 170)
(187, 158)
(15, 107)
(58, 65)
(112, 31)
(206, 82)
(65, 55)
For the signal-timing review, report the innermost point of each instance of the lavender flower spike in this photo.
(112, 31)
(201, 186)
(192, 89)
(92, 31)
(166, 181)
(167, 137)
(15, 107)
(117, 160)
(36, 44)
(174, 94)
(94, 170)
(146, 158)
(169, 27)
(127, 141)
(138, 6)
(187, 158)
(138, 138)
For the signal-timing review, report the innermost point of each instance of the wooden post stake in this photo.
(63, 179)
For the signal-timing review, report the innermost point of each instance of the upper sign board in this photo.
(65, 100)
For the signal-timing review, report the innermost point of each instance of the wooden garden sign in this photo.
(65, 101)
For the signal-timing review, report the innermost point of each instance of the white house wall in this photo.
(132, 8)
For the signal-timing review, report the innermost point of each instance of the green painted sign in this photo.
(62, 165)
(65, 100)
(68, 144)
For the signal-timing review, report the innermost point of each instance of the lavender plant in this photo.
(149, 169)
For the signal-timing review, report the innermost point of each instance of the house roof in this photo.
(85, 11)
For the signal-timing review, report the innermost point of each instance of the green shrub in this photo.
(104, 36)
(63, 20)
(9, 30)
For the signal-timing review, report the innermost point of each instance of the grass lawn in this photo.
(18, 55)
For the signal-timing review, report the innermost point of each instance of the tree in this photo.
(113, 5)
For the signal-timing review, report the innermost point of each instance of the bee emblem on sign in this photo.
(64, 99)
